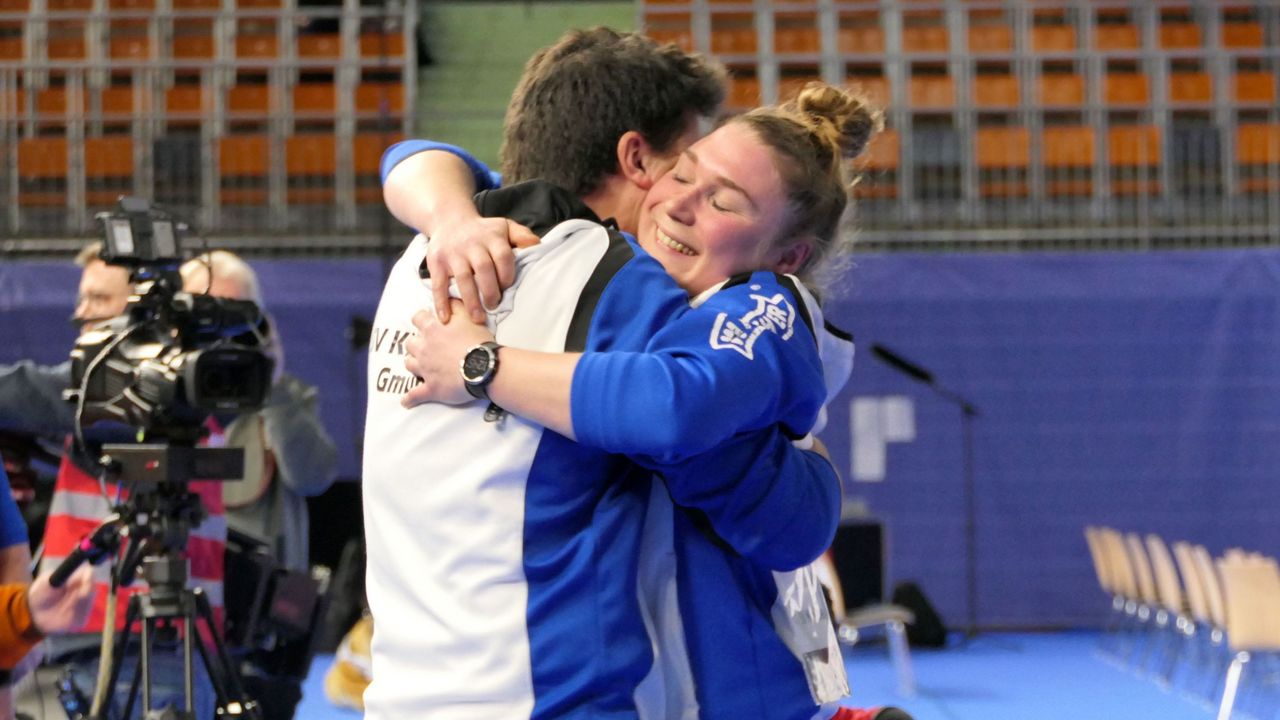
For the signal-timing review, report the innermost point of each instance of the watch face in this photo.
(475, 365)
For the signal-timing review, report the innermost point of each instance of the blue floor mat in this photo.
(1005, 676)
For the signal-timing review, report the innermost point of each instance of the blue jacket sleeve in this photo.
(13, 531)
(744, 360)
(485, 178)
(31, 398)
(773, 503)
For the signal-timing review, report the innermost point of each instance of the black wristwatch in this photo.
(479, 366)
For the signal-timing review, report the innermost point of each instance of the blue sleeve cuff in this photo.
(485, 178)
(13, 531)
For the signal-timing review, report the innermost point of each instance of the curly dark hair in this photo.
(577, 97)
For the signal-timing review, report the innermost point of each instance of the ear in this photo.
(637, 161)
(791, 258)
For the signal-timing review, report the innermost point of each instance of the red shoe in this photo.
(879, 713)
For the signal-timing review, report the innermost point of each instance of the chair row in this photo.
(308, 163)
(1068, 155)
(1163, 604)
(1056, 91)
(190, 103)
(192, 41)
(929, 32)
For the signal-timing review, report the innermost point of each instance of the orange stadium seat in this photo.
(1125, 89)
(1053, 38)
(1180, 36)
(1003, 155)
(197, 47)
(1190, 88)
(377, 45)
(1258, 157)
(734, 40)
(108, 168)
(367, 149)
(1134, 153)
(310, 163)
(196, 5)
(875, 89)
(744, 92)
(996, 91)
(797, 40)
(1254, 87)
(258, 46)
(378, 98)
(249, 101)
(42, 171)
(990, 39)
(243, 162)
(1116, 37)
(315, 100)
(681, 37)
(1061, 90)
(931, 92)
(128, 45)
(860, 40)
(53, 105)
(10, 47)
(188, 29)
(1068, 155)
(878, 165)
(117, 103)
(925, 39)
(790, 86)
(1241, 35)
(66, 41)
(320, 45)
(185, 105)
(11, 31)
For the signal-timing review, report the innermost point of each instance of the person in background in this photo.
(31, 394)
(29, 611)
(296, 458)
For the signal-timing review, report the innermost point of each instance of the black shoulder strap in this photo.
(801, 306)
(615, 257)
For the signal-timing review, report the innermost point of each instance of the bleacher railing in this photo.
(246, 116)
(1076, 124)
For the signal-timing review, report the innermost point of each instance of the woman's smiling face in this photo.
(718, 212)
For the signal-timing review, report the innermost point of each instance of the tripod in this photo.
(157, 520)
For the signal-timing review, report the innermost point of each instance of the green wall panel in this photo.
(479, 49)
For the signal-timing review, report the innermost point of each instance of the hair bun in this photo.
(841, 119)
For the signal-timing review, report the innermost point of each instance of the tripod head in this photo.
(160, 512)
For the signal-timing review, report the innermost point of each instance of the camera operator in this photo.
(300, 459)
(30, 394)
(31, 401)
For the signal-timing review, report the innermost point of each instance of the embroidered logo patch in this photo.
(771, 314)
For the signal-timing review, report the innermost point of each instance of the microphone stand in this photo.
(967, 414)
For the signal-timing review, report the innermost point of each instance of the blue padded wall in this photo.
(1137, 390)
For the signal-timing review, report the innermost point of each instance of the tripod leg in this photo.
(117, 662)
(222, 673)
